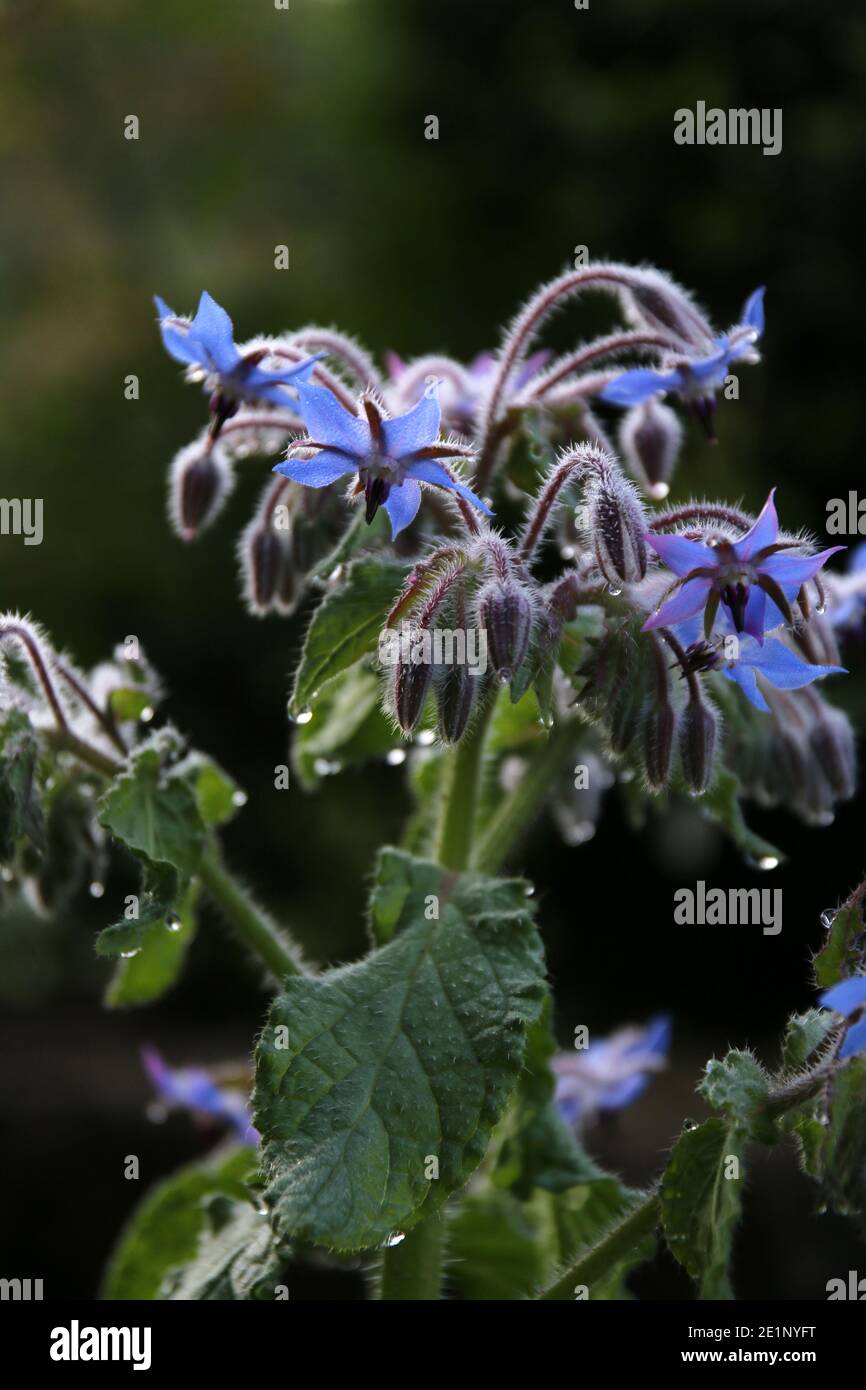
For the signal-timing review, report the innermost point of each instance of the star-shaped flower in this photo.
(696, 378)
(191, 1088)
(207, 342)
(849, 998)
(610, 1073)
(392, 458)
(753, 577)
(774, 662)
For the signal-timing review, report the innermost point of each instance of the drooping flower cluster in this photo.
(704, 592)
(611, 1073)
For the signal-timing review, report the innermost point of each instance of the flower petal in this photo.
(744, 676)
(753, 311)
(175, 340)
(325, 468)
(427, 471)
(415, 430)
(330, 423)
(764, 532)
(212, 329)
(855, 1040)
(755, 616)
(680, 554)
(402, 505)
(688, 600)
(783, 668)
(791, 571)
(637, 385)
(845, 997)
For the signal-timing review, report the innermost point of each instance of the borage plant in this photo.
(499, 606)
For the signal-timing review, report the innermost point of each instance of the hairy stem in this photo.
(251, 924)
(601, 1259)
(520, 808)
(460, 793)
(413, 1269)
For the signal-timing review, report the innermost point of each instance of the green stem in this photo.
(413, 1269)
(250, 923)
(594, 1264)
(460, 792)
(520, 808)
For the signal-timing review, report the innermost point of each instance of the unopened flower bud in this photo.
(455, 687)
(200, 481)
(412, 675)
(660, 304)
(832, 742)
(505, 612)
(649, 437)
(617, 526)
(659, 723)
(697, 744)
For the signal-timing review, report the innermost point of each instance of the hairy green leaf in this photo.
(701, 1195)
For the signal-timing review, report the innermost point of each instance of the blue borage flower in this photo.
(773, 661)
(696, 378)
(753, 577)
(191, 1088)
(610, 1073)
(849, 998)
(391, 457)
(207, 341)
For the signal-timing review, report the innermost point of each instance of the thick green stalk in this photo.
(250, 923)
(413, 1269)
(520, 808)
(598, 1262)
(460, 793)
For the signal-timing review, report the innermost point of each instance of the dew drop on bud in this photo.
(239, 798)
(395, 757)
(302, 717)
(613, 590)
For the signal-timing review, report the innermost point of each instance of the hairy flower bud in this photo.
(455, 687)
(617, 526)
(506, 614)
(832, 742)
(263, 556)
(653, 298)
(697, 744)
(411, 681)
(649, 437)
(659, 723)
(200, 481)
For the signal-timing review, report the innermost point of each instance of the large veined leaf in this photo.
(378, 1084)
(346, 625)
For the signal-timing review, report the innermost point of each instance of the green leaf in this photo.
(153, 811)
(128, 703)
(348, 729)
(238, 1258)
(217, 795)
(494, 1249)
(408, 1056)
(158, 961)
(840, 955)
(165, 1227)
(738, 1086)
(844, 1155)
(346, 625)
(20, 812)
(701, 1205)
(402, 883)
(803, 1036)
(157, 899)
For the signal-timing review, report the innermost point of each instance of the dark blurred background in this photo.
(259, 127)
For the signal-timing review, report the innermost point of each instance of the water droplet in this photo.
(147, 714)
(97, 889)
(821, 607)
(396, 757)
(395, 1238)
(579, 833)
(613, 590)
(567, 552)
(303, 716)
(529, 891)
(828, 917)
(689, 1125)
(6, 874)
(767, 862)
(426, 738)
(335, 575)
(128, 955)
(326, 767)
(173, 922)
(659, 491)
(239, 798)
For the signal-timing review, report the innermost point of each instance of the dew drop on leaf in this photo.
(173, 922)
